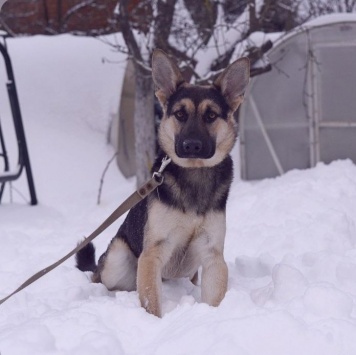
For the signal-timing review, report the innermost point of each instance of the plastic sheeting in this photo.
(303, 110)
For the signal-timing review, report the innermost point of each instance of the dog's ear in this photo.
(232, 82)
(165, 74)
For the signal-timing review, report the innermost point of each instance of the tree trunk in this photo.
(253, 17)
(145, 136)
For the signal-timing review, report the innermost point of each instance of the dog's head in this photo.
(198, 128)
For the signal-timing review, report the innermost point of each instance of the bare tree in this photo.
(144, 100)
(310, 9)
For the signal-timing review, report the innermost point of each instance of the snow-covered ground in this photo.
(290, 243)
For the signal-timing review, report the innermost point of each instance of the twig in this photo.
(103, 176)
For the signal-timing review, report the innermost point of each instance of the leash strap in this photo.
(130, 202)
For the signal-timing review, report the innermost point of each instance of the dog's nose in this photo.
(192, 146)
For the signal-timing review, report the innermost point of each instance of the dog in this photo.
(181, 226)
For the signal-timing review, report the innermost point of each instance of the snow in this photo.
(290, 243)
(331, 19)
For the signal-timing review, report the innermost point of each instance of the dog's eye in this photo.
(210, 116)
(180, 116)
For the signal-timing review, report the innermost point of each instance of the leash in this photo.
(131, 201)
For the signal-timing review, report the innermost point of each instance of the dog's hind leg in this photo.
(117, 268)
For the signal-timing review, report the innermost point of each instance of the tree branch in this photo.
(127, 33)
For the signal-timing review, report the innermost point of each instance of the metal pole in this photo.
(24, 159)
(266, 137)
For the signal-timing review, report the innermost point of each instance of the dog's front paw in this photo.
(149, 284)
(152, 306)
(214, 281)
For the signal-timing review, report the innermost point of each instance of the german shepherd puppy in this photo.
(181, 225)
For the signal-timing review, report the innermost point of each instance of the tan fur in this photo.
(149, 280)
(161, 96)
(226, 134)
(185, 103)
(205, 104)
(173, 248)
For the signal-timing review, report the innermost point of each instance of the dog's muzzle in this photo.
(194, 148)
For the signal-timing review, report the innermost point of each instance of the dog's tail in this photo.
(85, 258)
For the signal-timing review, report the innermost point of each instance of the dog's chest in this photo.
(187, 237)
(165, 223)
(185, 260)
(184, 238)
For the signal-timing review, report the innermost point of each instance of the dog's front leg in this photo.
(214, 278)
(214, 273)
(149, 280)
